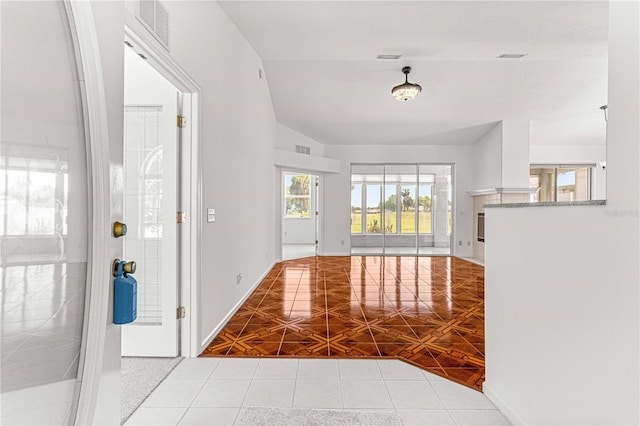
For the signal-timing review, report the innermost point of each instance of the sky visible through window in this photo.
(567, 178)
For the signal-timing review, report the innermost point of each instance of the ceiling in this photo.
(326, 83)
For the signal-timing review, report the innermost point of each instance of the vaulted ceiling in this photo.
(326, 83)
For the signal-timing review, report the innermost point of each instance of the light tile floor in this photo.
(214, 391)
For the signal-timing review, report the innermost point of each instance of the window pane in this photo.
(449, 204)
(573, 184)
(560, 184)
(424, 209)
(373, 214)
(297, 207)
(390, 209)
(583, 188)
(297, 190)
(297, 185)
(408, 208)
(546, 183)
(356, 208)
(534, 182)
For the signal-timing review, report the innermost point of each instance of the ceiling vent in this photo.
(389, 56)
(512, 55)
(154, 16)
(301, 149)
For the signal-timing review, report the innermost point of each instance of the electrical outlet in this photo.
(460, 242)
(238, 278)
(468, 243)
(342, 242)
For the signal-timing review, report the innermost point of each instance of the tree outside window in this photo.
(297, 196)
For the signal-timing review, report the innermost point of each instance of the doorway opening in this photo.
(402, 209)
(300, 215)
(151, 173)
(161, 175)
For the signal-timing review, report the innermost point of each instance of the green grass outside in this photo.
(407, 222)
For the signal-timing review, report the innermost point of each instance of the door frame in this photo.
(189, 181)
(280, 171)
(97, 305)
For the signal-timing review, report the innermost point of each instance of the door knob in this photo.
(128, 267)
(119, 229)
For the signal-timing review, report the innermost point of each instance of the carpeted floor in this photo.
(140, 376)
(259, 416)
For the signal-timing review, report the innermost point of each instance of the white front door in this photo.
(150, 206)
(55, 203)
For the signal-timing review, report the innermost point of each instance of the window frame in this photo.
(286, 197)
(556, 168)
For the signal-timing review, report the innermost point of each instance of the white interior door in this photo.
(151, 176)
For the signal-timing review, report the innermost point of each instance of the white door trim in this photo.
(190, 183)
(94, 106)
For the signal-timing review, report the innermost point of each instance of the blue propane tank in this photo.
(125, 300)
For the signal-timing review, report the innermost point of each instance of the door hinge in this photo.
(316, 241)
(181, 217)
(182, 121)
(317, 213)
(317, 183)
(181, 312)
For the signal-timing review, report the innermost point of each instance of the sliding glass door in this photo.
(401, 209)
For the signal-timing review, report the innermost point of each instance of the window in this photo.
(560, 182)
(356, 208)
(403, 198)
(297, 196)
(400, 208)
(424, 208)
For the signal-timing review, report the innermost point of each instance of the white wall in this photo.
(516, 135)
(561, 315)
(576, 154)
(562, 298)
(337, 188)
(287, 138)
(487, 153)
(238, 133)
(502, 156)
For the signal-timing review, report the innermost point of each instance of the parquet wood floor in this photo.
(428, 311)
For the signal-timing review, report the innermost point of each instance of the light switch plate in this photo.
(211, 215)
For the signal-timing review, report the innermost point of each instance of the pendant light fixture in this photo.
(406, 91)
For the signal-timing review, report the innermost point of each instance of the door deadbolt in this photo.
(119, 229)
(127, 267)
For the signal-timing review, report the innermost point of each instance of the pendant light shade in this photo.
(406, 91)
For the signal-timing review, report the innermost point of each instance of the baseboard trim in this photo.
(501, 405)
(233, 310)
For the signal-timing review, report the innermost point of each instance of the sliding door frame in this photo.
(382, 213)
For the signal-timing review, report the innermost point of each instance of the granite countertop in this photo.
(556, 204)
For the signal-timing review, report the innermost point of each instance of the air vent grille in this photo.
(301, 149)
(392, 57)
(155, 17)
(512, 55)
